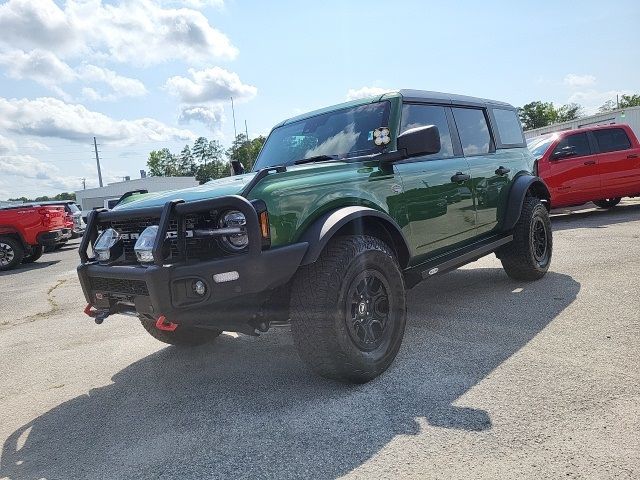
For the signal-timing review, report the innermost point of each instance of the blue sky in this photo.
(145, 74)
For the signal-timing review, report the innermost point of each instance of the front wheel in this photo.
(181, 336)
(607, 202)
(348, 309)
(528, 256)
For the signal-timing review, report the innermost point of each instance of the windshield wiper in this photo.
(317, 158)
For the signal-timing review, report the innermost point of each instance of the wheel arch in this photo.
(354, 220)
(7, 231)
(522, 186)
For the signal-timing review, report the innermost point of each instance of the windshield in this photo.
(539, 145)
(73, 207)
(340, 134)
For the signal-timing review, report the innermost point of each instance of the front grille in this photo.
(119, 285)
(196, 248)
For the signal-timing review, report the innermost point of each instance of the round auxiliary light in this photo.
(231, 219)
(144, 244)
(107, 246)
(199, 287)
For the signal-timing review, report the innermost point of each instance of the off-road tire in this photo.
(11, 253)
(49, 248)
(323, 297)
(519, 258)
(181, 336)
(607, 202)
(36, 253)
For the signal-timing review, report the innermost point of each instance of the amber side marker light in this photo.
(264, 225)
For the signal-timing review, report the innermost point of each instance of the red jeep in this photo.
(594, 164)
(25, 230)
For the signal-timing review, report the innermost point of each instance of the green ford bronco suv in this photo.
(346, 208)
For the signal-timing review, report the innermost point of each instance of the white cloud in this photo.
(39, 65)
(32, 24)
(214, 85)
(211, 116)
(50, 117)
(579, 81)
(193, 3)
(120, 86)
(6, 145)
(356, 93)
(140, 32)
(592, 99)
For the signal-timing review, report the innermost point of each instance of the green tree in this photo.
(245, 151)
(627, 101)
(187, 165)
(608, 106)
(567, 112)
(213, 165)
(536, 114)
(163, 163)
(540, 114)
(199, 149)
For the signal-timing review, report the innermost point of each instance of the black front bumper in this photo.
(167, 289)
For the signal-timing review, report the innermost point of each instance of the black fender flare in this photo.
(519, 189)
(318, 234)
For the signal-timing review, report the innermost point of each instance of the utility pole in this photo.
(95, 146)
(84, 183)
(246, 130)
(617, 101)
(233, 111)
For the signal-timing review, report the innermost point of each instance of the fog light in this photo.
(200, 288)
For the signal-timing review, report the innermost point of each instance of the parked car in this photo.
(77, 226)
(346, 208)
(26, 229)
(596, 164)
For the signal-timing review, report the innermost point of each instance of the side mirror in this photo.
(419, 141)
(237, 167)
(564, 152)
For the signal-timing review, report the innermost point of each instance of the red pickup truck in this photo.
(25, 230)
(594, 164)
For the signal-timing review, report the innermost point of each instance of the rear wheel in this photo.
(181, 336)
(11, 253)
(348, 309)
(528, 256)
(35, 254)
(607, 202)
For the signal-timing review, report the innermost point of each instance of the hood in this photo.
(213, 189)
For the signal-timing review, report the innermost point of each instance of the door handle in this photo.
(460, 177)
(633, 155)
(502, 170)
(590, 162)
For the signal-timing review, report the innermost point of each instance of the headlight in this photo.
(144, 244)
(234, 219)
(107, 246)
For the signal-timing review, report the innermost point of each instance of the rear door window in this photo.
(612, 140)
(422, 115)
(509, 128)
(473, 130)
(578, 144)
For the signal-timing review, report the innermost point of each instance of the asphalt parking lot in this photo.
(495, 379)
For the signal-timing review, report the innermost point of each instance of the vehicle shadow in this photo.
(596, 218)
(245, 407)
(25, 267)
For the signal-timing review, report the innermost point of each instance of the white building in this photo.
(630, 116)
(95, 197)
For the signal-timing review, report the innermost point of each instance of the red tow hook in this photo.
(97, 315)
(88, 311)
(163, 324)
